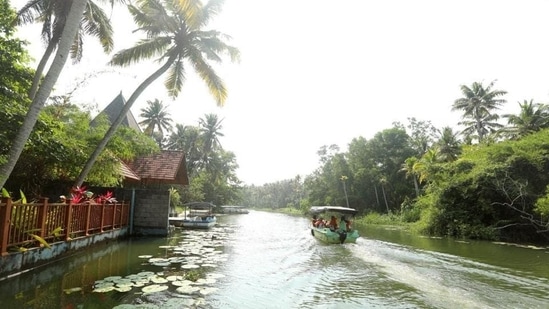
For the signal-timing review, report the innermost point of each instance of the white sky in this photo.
(318, 72)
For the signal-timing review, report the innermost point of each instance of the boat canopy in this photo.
(199, 205)
(336, 209)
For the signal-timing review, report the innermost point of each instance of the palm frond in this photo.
(176, 78)
(144, 49)
(76, 48)
(192, 11)
(208, 75)
(98, 25)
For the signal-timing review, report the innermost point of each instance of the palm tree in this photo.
(532, 118)
(67, 38)
(210, 129)
(156, 118)
(408, 168)
(53, 15)
(187, 138)
(174, 31)
(478, 104)
(448, 145)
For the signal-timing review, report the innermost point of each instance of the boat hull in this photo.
(334, 236)
(194, 223)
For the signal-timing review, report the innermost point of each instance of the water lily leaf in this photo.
(154, 288)
(104, 289)
(123, 289)
(187, 289)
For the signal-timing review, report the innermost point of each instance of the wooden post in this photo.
(102, 216)
(88, 217)
(68, 221)
(114, 207)
(5, 220)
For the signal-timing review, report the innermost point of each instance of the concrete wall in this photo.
(16, 263)
(151, 211)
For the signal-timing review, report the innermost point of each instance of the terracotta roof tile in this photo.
(164, 165)
(127, 171)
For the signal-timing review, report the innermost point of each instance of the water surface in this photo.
(270, 260)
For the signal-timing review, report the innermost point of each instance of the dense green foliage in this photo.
(496, 190)
(15, 79)
(490, 192)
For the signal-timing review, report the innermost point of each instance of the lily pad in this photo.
(187, 289)
(104, 289)
(159, 280)
(174, 278)
(123, 289)
(154, 288)
(182, 282)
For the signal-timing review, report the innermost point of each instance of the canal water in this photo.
(270, 260)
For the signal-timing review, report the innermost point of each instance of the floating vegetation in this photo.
(182, 278)
(154, 288)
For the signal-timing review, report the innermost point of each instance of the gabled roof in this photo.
(113, 110)
(166, 167)
(127, 172)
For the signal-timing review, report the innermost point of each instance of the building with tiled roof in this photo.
(165, 167)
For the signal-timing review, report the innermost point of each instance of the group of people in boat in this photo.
(332, 224)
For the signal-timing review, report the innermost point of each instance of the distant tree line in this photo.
(488, 181)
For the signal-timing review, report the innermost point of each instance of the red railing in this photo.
(20, 224)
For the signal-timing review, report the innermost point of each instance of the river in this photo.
(270, 260)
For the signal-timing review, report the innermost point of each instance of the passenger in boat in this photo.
(345, 223)
(333, 223)
(318, 222)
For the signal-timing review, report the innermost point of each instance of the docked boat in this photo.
(337, 229)
(197, 215)
(229, 210)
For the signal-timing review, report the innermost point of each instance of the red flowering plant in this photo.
(80, 194)
(107, 197)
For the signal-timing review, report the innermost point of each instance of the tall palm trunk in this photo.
(67, 38)
(103, 143)
(40, 68)
(416, 185)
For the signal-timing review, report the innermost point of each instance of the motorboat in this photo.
(197, 215)
(336, 230)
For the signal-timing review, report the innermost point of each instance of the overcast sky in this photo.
(318, 72)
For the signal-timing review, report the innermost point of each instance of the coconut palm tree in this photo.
(408, 168)
(187, 138)
(156, 118)
(53, 15)
(448, 145)
(175, 32)
(67, 38)
(531, 118)
(210, 129)
(478, 104)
